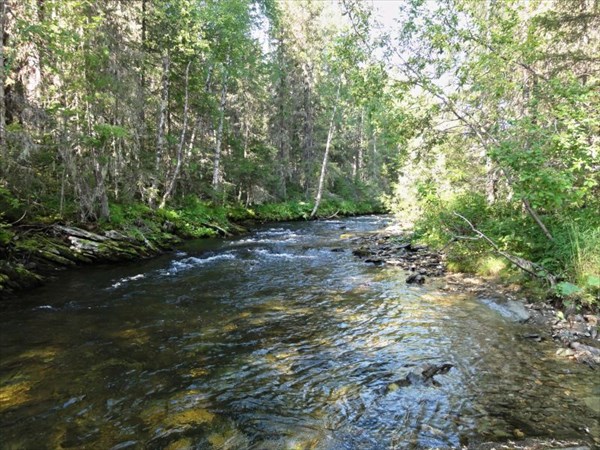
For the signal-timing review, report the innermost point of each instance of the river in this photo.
(276, 339)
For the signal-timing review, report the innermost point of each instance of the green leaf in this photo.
(565, 289)
(592, 281)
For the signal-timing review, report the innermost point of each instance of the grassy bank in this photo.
(197, 219)
(572, 257)
(34, 246)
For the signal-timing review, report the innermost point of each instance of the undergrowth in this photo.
(573, 257)
(194, 218)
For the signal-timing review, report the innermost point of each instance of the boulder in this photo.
(415, 278)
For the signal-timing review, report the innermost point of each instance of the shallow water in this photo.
(278, 339)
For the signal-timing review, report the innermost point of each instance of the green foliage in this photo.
(239, 213)
(6, 234)
(519, 123)
(127, 100)
(123, 215)
(107, 71)
(300, 210)
(574, 256)
(10, 206)
(283, 211)
(579, 254)
(491, 265)
(566, 289)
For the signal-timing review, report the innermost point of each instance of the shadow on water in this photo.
(277, 339)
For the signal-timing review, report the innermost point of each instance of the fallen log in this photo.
(223, 231)
(527, 266)
(78, 232)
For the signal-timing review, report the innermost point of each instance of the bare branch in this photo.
(527, 266)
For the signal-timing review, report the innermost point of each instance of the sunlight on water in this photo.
(274, 341)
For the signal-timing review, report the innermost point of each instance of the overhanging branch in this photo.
(527, 266)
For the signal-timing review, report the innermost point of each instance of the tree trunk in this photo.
(162, 126)
(373, 164)
(171, 183)
(3, 146)
(142, 93)
(491, 182)
(326, 155)
(281, 133)
(530, 109)
(100, 189)
(31, 78)
(308, 133)
(358, 162)
(534, 215)
(216, 181)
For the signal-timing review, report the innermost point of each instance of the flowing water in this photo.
(277, 339)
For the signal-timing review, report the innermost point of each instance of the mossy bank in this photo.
(32, 251)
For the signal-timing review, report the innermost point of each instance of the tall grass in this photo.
(574, 256)
(583, 260)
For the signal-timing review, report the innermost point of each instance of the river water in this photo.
(273, 340)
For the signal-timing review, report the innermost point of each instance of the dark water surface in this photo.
(273, 341)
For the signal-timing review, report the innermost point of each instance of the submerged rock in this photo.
(518, 310)
(510, 309)
(393, 250)
(415, 278)
(423, 376)
(376, 261)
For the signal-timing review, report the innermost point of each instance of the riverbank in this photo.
(33, 251)
(187, 338)
(575, 331)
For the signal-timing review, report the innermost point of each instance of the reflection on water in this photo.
(273, 341)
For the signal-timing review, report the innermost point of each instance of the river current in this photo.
(279, 339)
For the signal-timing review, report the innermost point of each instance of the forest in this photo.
(476, 122)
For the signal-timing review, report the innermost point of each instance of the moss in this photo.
(29, 244)
(189, 417)
(14, 395)
(57, 247)
(5, 234)
(180, 444)
(139, 231)
(26, 277)
(123, 250)
(53, 257)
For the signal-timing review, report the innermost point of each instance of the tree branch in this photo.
(527, 266)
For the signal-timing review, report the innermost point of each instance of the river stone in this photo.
(415, 278)
(520, 313)
(593, 403)
(361, 252)
(181, 444)
(571, 448)
(565, 352)
(510, 309)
